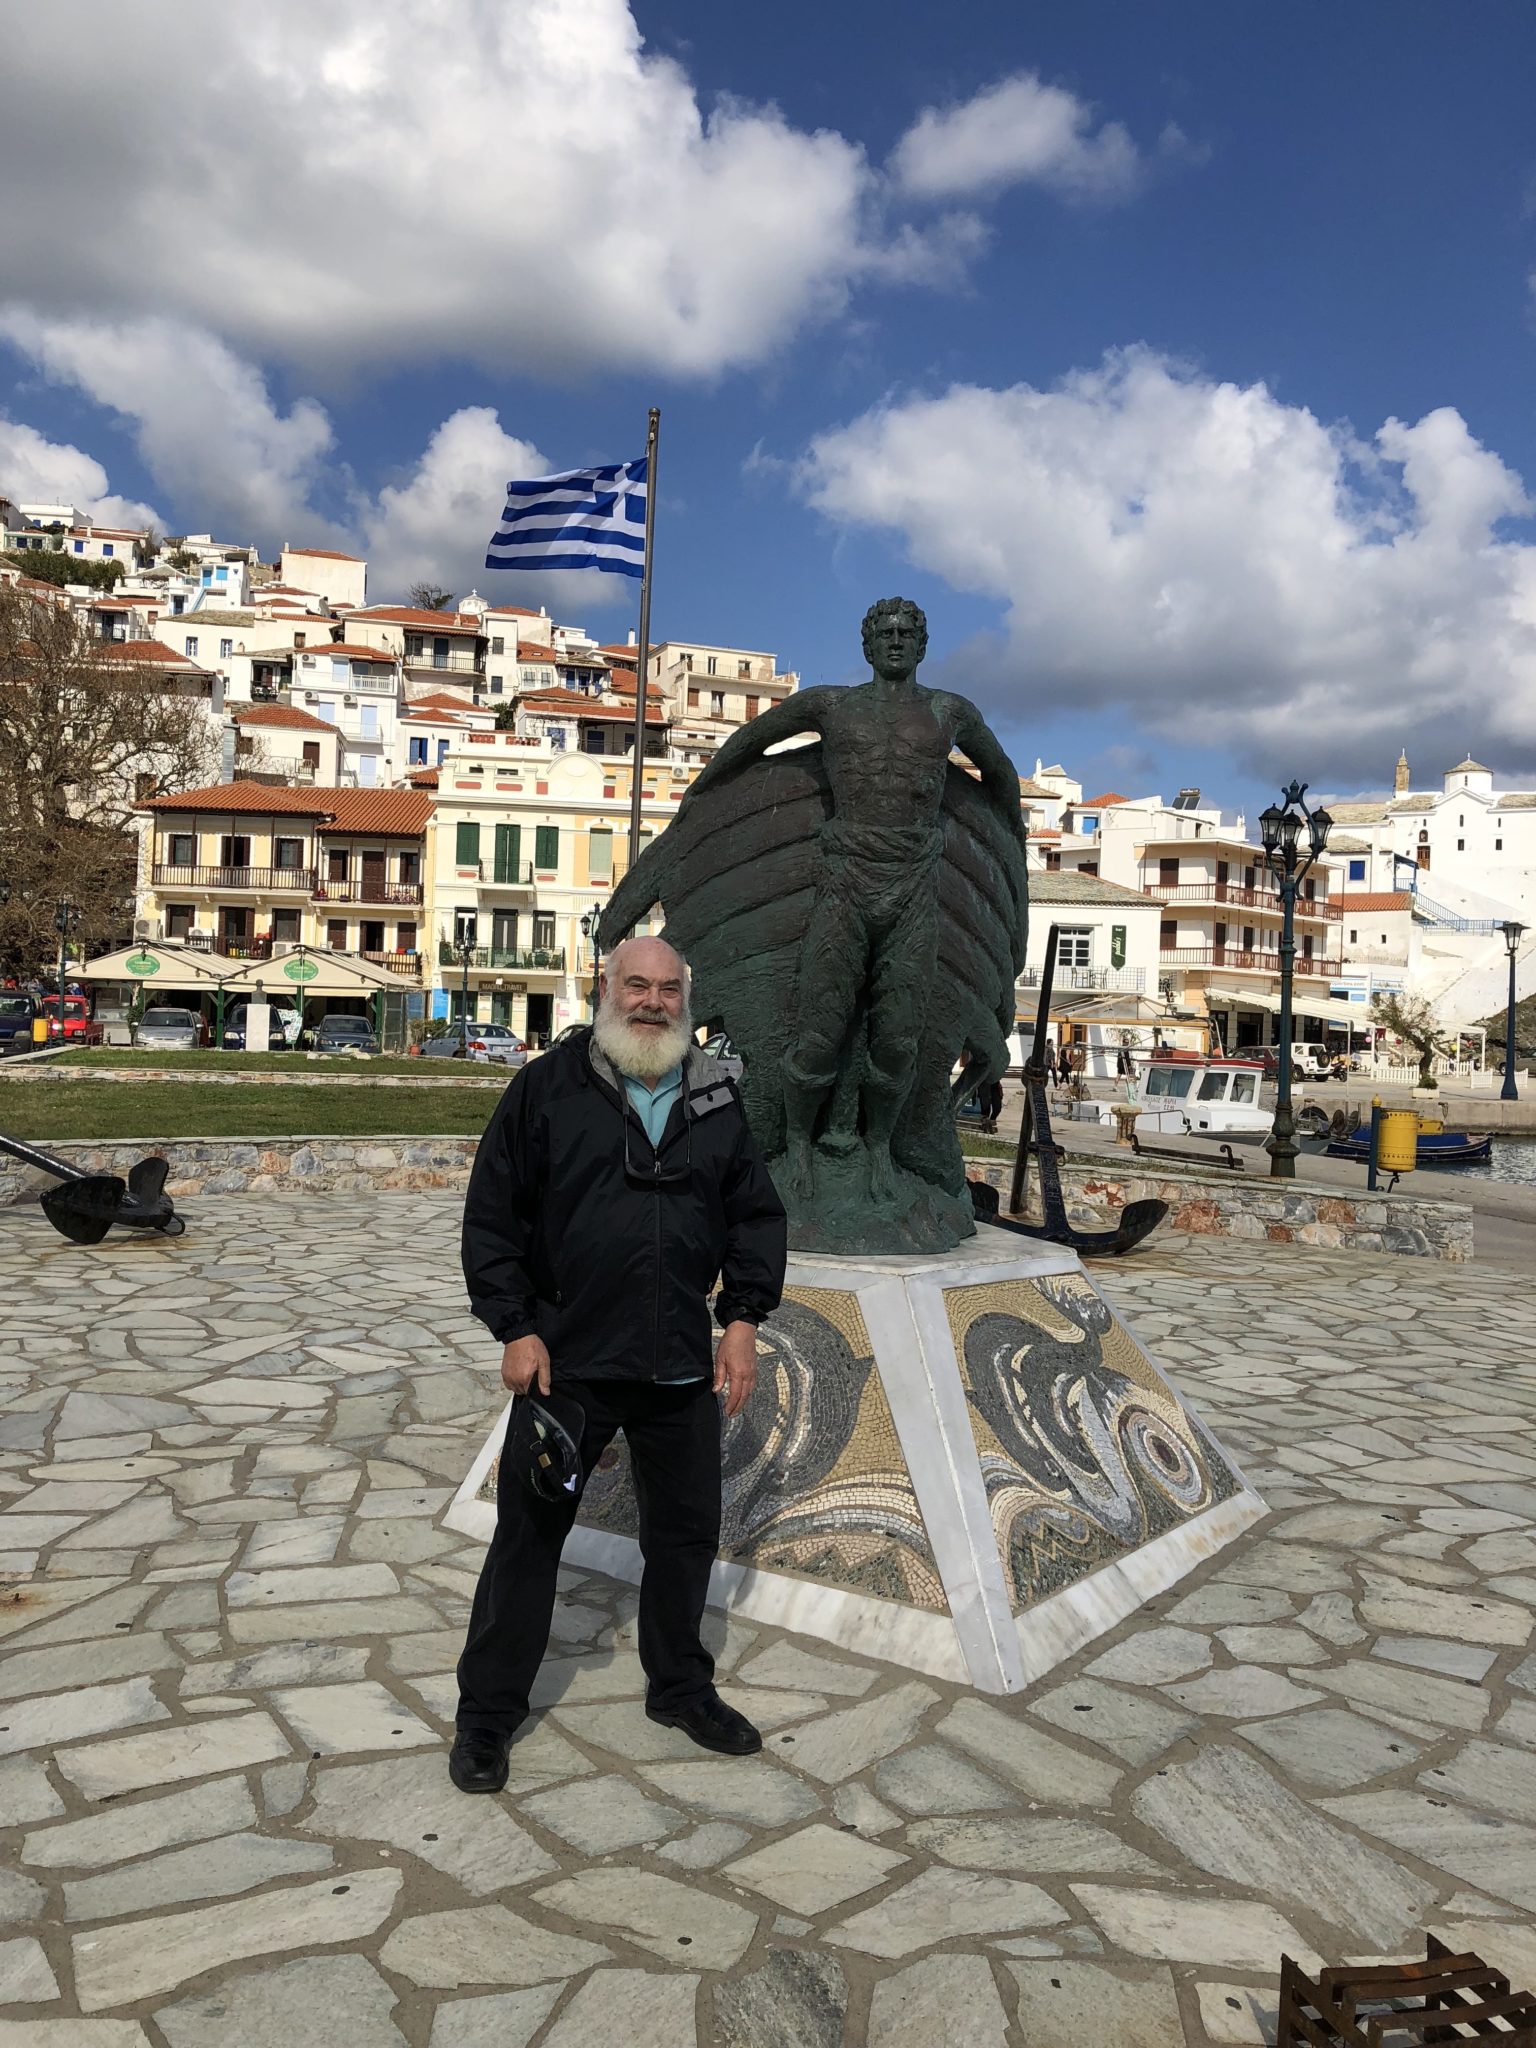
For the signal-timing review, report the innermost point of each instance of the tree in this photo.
(84, 738)
(53, 565)
(1414, 1022)
(430, 597)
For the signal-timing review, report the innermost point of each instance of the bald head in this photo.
(648, 959)
(643, 1022)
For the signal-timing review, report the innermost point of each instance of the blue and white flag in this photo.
(580, 519)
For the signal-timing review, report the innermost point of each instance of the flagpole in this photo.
(642, 673)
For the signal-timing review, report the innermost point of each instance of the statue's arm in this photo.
(804, 712)
(999, 777)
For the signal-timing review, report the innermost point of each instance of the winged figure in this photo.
(854, 914)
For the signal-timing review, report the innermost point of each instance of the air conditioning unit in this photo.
(143, 929)
(282, 946)
(349, 702)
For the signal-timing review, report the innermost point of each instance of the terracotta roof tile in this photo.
(288, 716)
(247, 796)
(378, 810)
(1393, 899)
(153, 651)
(405, 615)
(347, 650)
(1097, 803)
(324, 554)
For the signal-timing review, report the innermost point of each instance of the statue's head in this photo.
(895, 637)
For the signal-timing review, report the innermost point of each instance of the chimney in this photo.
(631, 636)
(1403, 781)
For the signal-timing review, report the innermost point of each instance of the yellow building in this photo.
(529, 840)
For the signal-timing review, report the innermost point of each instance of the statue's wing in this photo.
(735, 874)
(983, 925)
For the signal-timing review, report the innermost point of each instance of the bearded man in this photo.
(616, 1182)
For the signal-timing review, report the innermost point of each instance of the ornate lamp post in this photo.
(589, 925)
(464, 947)
(65, 918)
(1513, 934)
(1281, 828)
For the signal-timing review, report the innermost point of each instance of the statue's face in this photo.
(894, 643)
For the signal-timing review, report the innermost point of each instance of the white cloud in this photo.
(1218, 562)
(204, 423)
(34, 469)
(1018, 131)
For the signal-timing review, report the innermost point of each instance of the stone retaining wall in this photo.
(1205, 1204)
(1229, 1205)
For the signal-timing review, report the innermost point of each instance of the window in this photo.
(1168, 873)
(712, 666)
(410, 868)
(442, 752)
(285, 926)
(222, 575)
(336, 934)
(1213, 1088)
(693, 700)
(311, 753)
(600, 856)
(440, 652)
(341, 674)
(1357, 871)
(79, 547)
(336, 864)
(717, 704)
(370, 936)
(418, 751)
(529, 677)
(1087, 824)
(405, 938)
(543, 931)
(687, 660)
(592, 741)
(326, 709)
(1174, 1081)
(226, 649)
(288, 853)
(498, 644)
(1498, 846)
(466, 845)
(465, 927)
(106, 551)
(413, 646)
(743, 671)
(1461, 846)
(496, 686)
(367, 771)
(178, 919)
(299, 639)
(752, 705)
(546, 847)
(1075, 946)
(1243, 1087)
(1354, 938)
(191, 644)
(178, 606)
(368, 718)
(234, 850)
(509, 852)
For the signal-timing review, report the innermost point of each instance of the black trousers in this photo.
(673, 1435)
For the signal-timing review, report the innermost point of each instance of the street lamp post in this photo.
(1281, 827)
(464, 946)
(589, 925)
(65, 917)
(1513, 934)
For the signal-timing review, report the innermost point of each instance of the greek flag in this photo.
(580, 519)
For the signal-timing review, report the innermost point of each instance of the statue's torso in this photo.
(885, 750)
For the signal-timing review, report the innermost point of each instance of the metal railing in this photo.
(1133, 979)
(1265, 900)
(408, 964)
(456, 662)
(366, 891)
(1310, 965)
(166, 876)
(507, 874)
(538, 958)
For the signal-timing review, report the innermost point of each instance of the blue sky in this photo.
(1083, 325)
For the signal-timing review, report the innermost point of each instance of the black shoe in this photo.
(478, 1759)
(712, 1725)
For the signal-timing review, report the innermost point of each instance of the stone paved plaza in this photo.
(229, 1617)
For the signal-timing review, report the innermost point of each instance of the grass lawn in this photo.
(182, 1109)
(975, 1146)
(209, 1062)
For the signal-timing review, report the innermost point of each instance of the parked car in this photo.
(17, 1011)
(169, 1030)
(490, 1044)
(234, 1031)
(719, 1047)
(343, 1034)
(79, 1027)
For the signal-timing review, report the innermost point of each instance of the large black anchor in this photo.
(86, 1205)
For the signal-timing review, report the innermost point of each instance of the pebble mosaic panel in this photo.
(1086, 1451)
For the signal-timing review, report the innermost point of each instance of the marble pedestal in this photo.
(963, 1463)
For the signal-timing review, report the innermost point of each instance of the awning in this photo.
(305, 971)
(1329, 1009)
(159, 965)
(1075, 1007)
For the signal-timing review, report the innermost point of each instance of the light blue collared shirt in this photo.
(654, 1105)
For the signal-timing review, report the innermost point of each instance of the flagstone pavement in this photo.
(229, 1617)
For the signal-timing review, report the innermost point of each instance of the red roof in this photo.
(533, 650)
(154, 651)
(1097, 803)
(334, 810)
(377, 810)
(404, 615)
(324, 554)
(345, 650)
(423, 778)
(287, 716)
(576, 705)
(438, 700)
(1378, 900)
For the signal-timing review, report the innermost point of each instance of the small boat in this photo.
(1435, 1148)
(1190, 1095)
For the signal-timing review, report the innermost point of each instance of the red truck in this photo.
(79, 1027)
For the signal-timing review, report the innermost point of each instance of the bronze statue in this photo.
(854, 915)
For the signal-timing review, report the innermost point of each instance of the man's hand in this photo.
(736, 1365)
(522, 1362)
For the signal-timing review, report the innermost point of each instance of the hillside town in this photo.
(427, 804)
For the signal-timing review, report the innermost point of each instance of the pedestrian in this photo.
(616, 1180)
(991, 1105)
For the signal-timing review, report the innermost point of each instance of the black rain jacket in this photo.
(614, 1268)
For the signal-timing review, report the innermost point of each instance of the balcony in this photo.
(1315, 969)
(457, 661)
(249, 881)
(1131, 980)
(1233, 892)
(535, 959)
(366, 891)
(407, 964)
(507, 874)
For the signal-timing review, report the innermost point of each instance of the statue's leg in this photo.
(831, 969)
(905, 963)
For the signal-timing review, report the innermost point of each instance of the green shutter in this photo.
(466, 851)
(546, 846)
(508, 852)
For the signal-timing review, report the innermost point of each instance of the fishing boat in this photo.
(1435, 1148)
(1196, 1095)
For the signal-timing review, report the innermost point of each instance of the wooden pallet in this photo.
(1448, 1997)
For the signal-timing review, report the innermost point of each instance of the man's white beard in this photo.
(641, 1054)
